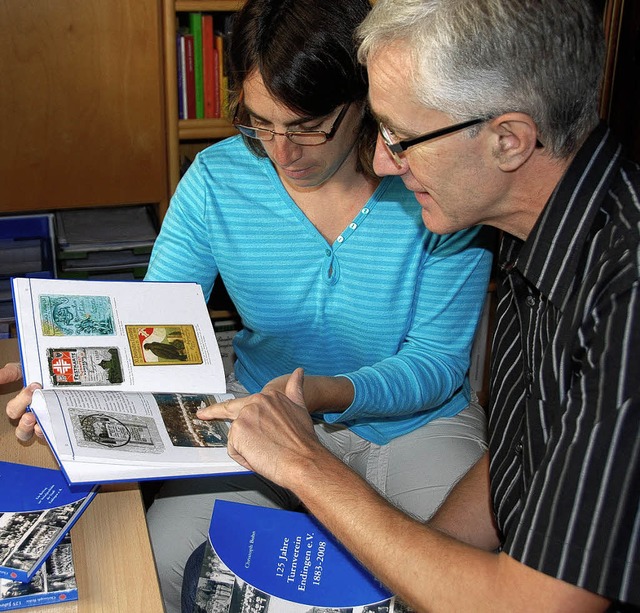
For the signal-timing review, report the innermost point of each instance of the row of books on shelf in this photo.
(124, 368)
(102, 243)
(202, 76)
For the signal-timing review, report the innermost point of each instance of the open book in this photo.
(124, 367)
(282, 561)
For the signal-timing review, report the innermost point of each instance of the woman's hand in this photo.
(17, 406)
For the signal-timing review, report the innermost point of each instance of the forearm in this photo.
(274, 436)
(467, 512)
(429, 569)
(327, 394)
(413, 560)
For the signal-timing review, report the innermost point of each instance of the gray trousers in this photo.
(415, 472)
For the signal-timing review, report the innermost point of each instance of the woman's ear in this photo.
(516, 138)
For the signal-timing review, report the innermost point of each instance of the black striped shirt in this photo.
(565, 395)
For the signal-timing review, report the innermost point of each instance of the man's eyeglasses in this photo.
(396, 147)
(299, 137)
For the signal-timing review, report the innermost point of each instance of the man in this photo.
(549, 519)
(513, 85)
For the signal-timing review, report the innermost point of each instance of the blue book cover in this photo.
(55, 581)
(274, 560)
(37, 509)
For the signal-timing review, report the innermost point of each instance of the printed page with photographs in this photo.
(124, 367)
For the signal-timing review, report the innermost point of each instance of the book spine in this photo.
(195, 26)
(190, 78)
(208, 66)
(181, 82)
(222, 80)
(35, 600)
(217, 100)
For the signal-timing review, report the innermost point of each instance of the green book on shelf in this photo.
(195, 27)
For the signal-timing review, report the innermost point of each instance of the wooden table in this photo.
(111, 550)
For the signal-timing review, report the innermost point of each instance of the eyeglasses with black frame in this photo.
(299, 137)
(396, 147)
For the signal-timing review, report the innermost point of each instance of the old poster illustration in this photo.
(84, 366)
(67, 315)
(153, 345)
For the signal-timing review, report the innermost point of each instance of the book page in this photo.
(117, 336)
(132, 428)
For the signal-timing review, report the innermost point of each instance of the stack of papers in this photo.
(105, 243)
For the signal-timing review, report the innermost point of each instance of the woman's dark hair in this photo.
(305, 52)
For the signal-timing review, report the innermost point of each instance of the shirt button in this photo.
(365, 211)
(518, 448)
(531, 301)
(353, 226)
(340, 239)
(328, 252)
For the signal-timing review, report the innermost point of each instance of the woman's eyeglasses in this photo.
(299, 137)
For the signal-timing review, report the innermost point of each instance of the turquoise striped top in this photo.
(389, 305)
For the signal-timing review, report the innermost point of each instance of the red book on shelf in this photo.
(190, 76)
(208, 66)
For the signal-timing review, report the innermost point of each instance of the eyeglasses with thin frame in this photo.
(299, 137)
(396, 147)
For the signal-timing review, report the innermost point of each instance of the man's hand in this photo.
(272, 432)
(17, 406)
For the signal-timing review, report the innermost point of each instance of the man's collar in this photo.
(550, 256)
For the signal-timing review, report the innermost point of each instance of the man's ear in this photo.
(516, 138)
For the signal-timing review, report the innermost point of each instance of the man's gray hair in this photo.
(483, 58)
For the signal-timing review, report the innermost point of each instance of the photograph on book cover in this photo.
(54, 582)
(271, 560)
(37, 509)
(23, 535)
(221, 590)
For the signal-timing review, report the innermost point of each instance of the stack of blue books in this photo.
(37, 510)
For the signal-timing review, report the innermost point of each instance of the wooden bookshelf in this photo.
(183, 131)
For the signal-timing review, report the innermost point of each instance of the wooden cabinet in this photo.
(189, 134)
(82, 114)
